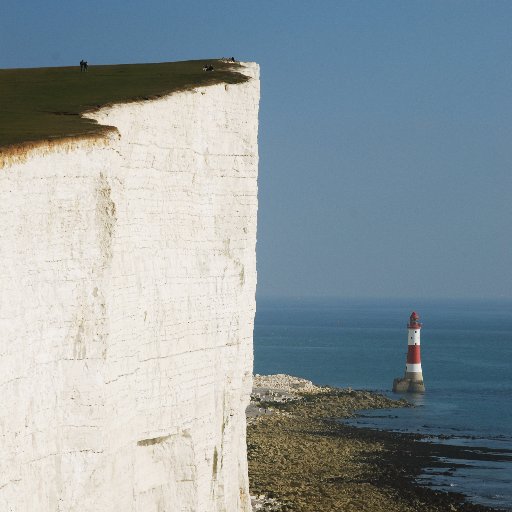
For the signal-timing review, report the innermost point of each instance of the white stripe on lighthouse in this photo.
(413, 336)
(413, 368)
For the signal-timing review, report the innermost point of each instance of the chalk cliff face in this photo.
(127, 299)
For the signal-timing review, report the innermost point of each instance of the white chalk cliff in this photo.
(127, 300)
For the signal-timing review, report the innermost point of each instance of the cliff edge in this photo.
(46, 106)
(127, 300)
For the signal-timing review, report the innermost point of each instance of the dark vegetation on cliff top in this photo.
(45, 103)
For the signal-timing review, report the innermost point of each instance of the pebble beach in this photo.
(303, 458)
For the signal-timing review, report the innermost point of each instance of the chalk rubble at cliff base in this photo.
(287, 383)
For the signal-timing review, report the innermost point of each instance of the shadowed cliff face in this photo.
(105, 217)
(127, 301)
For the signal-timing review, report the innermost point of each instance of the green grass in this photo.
(46, 103)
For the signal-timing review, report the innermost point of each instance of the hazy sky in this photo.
(385, 128)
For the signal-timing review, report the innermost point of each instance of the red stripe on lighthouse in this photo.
(413, 354)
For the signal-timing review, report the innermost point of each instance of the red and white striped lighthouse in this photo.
(413, 366)
(413, 378)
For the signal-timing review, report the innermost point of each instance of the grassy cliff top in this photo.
(46, 103)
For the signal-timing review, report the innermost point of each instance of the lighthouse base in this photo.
(408, 386)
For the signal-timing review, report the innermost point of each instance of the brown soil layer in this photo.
(310, 462)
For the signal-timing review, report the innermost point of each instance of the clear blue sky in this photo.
(385, 128)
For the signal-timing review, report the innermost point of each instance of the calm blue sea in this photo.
(466, 352)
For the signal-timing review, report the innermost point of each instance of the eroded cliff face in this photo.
(127, 299)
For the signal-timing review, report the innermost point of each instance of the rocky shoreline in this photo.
(302, 459)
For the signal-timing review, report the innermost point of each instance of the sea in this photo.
(466, 354)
